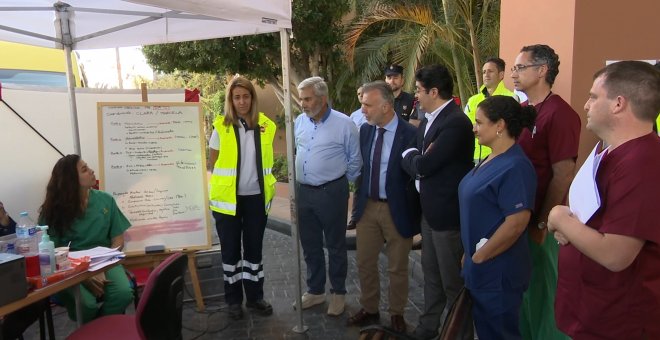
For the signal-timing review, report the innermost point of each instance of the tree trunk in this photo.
(315, 62)
(279, 93)
(457, 68)
(476, 54)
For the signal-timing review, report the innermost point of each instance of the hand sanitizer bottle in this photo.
(46, 253)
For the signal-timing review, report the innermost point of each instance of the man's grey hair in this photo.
(382, 87)
(317, 83)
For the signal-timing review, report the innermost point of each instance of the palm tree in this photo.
(411, 36)
(478, 16)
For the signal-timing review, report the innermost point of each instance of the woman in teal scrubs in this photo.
(86, 218)
(496, 199)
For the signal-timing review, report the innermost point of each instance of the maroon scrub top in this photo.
(554, 138)
(593, 302)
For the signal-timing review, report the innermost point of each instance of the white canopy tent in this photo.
(89, 24)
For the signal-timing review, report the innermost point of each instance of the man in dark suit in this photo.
(439, 159)
(384, 213)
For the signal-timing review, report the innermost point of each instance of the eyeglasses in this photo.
(520, 68)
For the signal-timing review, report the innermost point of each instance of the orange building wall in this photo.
(529, 22)
(271, 106)
(585, 34)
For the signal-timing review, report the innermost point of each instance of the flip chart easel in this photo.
(152, 160)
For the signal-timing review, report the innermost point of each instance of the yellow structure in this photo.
(33, 65)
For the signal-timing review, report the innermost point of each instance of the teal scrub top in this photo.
(99, 224)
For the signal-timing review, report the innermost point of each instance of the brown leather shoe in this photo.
(398, 323)
(362, 318)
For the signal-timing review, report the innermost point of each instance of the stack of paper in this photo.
(583, 195)
(99, 256)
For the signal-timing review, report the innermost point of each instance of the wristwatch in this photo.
(542, 225)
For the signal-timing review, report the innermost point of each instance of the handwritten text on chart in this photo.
(154, 204)
(152, 141)
(153, 162)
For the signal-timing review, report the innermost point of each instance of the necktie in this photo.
(375, 166)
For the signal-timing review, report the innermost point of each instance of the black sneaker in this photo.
(235, 311)
(260, 306)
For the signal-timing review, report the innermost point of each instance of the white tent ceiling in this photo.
(116, 23)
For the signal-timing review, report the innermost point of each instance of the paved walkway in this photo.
(280, 276)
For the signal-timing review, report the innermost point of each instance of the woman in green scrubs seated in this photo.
(87, 218)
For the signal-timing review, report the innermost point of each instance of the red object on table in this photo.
(32, 265)
(37, 282)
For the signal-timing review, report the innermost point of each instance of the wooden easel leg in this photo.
(143, 91)
(192, 268)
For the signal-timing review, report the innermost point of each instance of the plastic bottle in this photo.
(26, 235)
(46, 253)
(27, 244)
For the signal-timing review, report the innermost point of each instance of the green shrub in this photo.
(280, 169)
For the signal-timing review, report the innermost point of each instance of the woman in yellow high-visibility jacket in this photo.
(242, 187)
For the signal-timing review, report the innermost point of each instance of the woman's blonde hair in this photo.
(231, 117)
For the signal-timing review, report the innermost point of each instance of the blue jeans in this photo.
(322, 217)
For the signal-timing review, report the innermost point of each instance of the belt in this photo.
(322, 186)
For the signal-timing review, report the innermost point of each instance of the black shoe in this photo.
(351, 225)
(235, 311)
(260, 306)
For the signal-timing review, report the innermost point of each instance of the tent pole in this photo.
(71, 90)
(288, 119)
(67, 41)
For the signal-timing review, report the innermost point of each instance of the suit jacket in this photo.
(402, 197)
(442, 166)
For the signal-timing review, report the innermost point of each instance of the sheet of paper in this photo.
(583, 196)
(94, 252)
(99, 256)
(100, 265)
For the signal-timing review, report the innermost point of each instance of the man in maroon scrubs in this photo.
(552, 146)
(609, 269)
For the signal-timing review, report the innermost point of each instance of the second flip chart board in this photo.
(152, 160)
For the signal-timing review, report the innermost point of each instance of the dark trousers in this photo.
(496, 314)
(441, 264)
(322, 217)
(243, 271)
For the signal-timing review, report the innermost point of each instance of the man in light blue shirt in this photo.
(358, 116)
(327, 158)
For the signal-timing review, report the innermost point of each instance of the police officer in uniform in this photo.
(403, 101)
